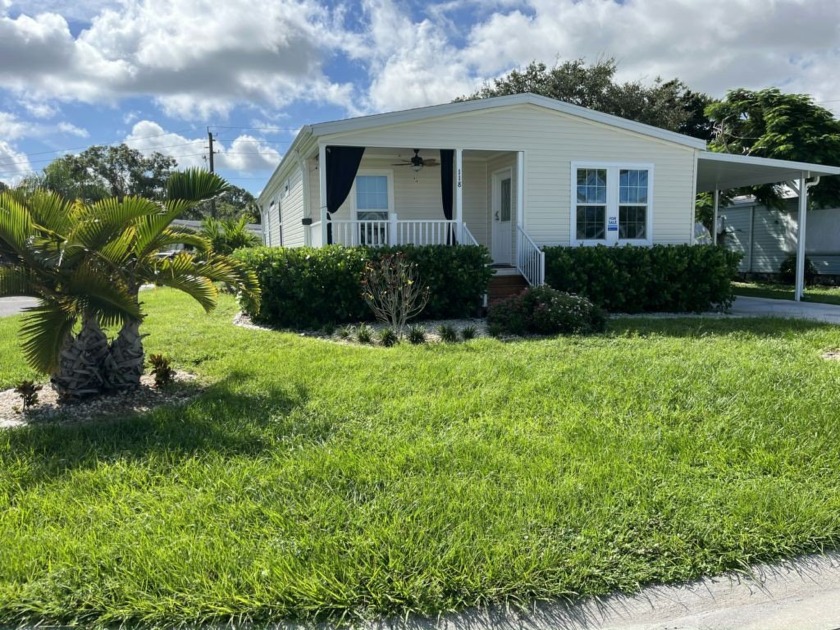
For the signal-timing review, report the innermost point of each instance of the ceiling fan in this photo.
(417, 163)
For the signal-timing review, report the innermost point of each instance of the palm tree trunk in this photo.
(126, 357)
(81, 365)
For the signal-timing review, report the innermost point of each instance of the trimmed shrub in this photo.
(674, 278)
(308, 287)
(389, 337)
(447, 333)
(787, 270)
(545, 311)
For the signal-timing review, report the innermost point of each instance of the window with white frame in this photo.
(611, 203)
(373, 202)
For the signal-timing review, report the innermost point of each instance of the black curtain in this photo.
(447, 159)
(342, 166)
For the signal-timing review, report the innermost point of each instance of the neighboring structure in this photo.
(513, 173)
(766, 236)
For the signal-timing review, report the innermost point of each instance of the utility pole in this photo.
(212, 170)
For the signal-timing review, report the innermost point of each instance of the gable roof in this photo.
(435, 111)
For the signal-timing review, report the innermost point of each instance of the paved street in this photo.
(15, 305)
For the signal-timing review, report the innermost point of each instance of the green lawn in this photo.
(331, 481)
(825, 295)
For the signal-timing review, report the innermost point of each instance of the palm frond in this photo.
(107, 220)
(16, 225)
(44, 331)
(195, 185)
(182, 272)
(100, 293)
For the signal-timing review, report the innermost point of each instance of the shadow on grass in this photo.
(220, 421)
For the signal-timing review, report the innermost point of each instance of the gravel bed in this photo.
(49, 409)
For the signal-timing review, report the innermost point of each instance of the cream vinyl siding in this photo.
(289, 206)
(551, 142)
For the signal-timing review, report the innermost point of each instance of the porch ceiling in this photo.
(722, 171)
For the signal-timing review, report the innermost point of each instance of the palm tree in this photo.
(45, 260)
(87, 264)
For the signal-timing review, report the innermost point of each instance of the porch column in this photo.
(715, 220)
(459, 195)
(520, 189)
(322, 202)
(800, 239)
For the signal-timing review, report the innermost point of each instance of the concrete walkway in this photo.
(764, 307)
(800, 595)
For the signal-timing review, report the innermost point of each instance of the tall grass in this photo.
(320, 480)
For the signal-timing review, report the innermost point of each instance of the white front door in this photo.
(502, 249)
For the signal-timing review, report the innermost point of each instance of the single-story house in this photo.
(513, 173)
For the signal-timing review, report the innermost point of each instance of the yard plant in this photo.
(318, 480)
(86, 263)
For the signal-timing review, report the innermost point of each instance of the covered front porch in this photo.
(389, 196)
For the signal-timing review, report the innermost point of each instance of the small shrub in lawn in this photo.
(787, 270)
(364, 333)
(417, 335)
(389, 337)
(469, 332)
(345, 332)
(495, 330)
(447, 333)
(161, 370)
(546, 311)
(28, 391)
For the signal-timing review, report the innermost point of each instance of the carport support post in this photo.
(715, 221)
(459, 195)
(800, 239)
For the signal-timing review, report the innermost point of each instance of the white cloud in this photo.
(11, 128)
(194, 57)
(13, 164)
(244, 154)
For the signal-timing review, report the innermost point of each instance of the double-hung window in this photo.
(611, 203)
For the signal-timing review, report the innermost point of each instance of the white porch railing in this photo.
(466, 236)
(391, 231)
(530, 259)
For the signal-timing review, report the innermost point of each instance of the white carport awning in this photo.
(722, 171)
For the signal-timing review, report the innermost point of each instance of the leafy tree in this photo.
(768, 123)
(232, 204)
(86, 264)
(665, 104)
(105, 171)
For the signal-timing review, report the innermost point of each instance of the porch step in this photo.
(502, 286)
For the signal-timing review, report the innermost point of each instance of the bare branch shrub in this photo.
(392, 289)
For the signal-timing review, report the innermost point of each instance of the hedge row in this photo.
(313, 287)
(666, 278)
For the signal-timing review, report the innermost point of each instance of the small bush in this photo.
(364, 333)
(417, 335)
(28, 391)
(545, 311)
(787, 270)
(677, 278)
(345, 332)
(161, 370)
(447, 333)
(469, 332)
(389, 337)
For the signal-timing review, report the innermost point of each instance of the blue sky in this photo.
(157, 73)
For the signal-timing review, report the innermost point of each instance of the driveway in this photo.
(15, 305)
(764, 307)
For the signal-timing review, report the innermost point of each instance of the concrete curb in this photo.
(801, 594)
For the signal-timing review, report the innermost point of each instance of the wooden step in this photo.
(505, 286)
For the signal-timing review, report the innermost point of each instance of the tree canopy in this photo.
(665, 104)
(770, 124)
(101, 171)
